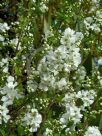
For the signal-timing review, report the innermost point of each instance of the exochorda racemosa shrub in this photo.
(51, 68)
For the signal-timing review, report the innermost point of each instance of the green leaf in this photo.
(2, 133)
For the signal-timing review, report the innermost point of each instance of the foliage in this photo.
(51, 68)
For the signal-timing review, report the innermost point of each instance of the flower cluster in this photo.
(2, 38)
(73, 110)
(100, 61)
(92, 131)
(43, 7)
(48, 132)
(9, 93)
(16, 44)
(32, 119)
(56, 65)
(49, 83)
(81, 72)
(94, 23)
(89, 23)
(4, 64)
(71, 38)
(4, 114)
(94, 5)
(4, 27)
(72, 114)
(87, 97)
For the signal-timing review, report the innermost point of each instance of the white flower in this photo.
(76, 57)
(95, 1)
(43, 7)
(5, 70)
(6, 100)
(69, 98)
(10, 82)
(69, 32)
(62, 83)
(11, 85)
(4, 60)
(62, 59)
(16, 43)
(48, 132)
(95, 28)
(9, 92)
(32, 86)
(100, 61)
(34, 1)
(32, 119)
(92, 131)
(81, 72)
(86, 96)
(4, 114)
(72, 111)
(68, 37)
(88, 21)
(4, 27)
(1, 38)
(79, 36)
(99, 15)
(9, 95)
(94, 23)
(72, 114)
(4, 64)
(10, 79)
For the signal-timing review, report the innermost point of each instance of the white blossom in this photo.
(34, 1)
(4, 114)
(88, 21)
(86, 96)
(16, 43)
(10, 82)
(62, 59)
(32, 119)
(62, 83)
(9, 92)
(95, 1)
(100, 61)
(4, 64)
(4, 27)
(76, 57)
(92, 131)
(5, 70)
(1, 38)
(94, 22)
(43, 7)
(81, 72)
(4, 61)
(10, 79)
(69, 98)
(72, 114)
(9, 95)
(48, 132)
